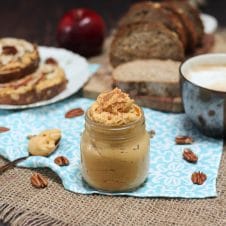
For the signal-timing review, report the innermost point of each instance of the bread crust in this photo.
(170, 44)
(154, 12)
(190, 19)
(195, 14)
(150, 88)
(166, 104)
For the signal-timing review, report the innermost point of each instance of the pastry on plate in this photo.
(18, 58)
(48, 81)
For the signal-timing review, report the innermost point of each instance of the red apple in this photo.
(82, 31)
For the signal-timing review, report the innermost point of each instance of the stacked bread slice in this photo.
(23, 79)
(150, 42)
(167, 30)
(152, 83)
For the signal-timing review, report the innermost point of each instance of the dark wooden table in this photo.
(37, 20)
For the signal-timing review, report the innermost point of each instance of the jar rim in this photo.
(120, 127)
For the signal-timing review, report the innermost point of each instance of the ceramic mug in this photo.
(205, 106)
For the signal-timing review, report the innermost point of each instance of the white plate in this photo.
(76, 69)
(210, 23)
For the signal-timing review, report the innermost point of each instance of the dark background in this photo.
(36, 20)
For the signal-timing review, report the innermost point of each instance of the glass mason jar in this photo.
(115, 158)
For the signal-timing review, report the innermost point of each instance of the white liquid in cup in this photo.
(211, 76)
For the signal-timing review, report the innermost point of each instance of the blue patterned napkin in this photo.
(169, 174)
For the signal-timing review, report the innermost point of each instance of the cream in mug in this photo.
(210, 76)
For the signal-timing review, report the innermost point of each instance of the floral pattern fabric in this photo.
(169, 174)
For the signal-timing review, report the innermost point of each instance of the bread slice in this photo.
(194, 15)
(190, 19)
(48, 81)
(18, 58)
(102, 81)
(145, 40)
(154, 12)
(159, 78)
(166, 104)
(207, 45)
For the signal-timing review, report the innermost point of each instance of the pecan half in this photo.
(51, 60)
(61, 161)
(198, 178)
(9, 50)
(151, 133)
(39, 181)
(4, 129)
(190, 156)
(30, 136)
(183, 140)
(74, 113)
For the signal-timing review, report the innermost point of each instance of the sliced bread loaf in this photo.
(154, 12)
(159, 78)
(145, 40)
(195, 17)
(190, 19)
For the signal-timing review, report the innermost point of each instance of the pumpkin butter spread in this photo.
(44, 143)
(114, 144)
(114, 108)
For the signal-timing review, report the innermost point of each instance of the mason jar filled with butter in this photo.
(114, 144)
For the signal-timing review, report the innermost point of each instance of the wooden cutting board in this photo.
(102, 80)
